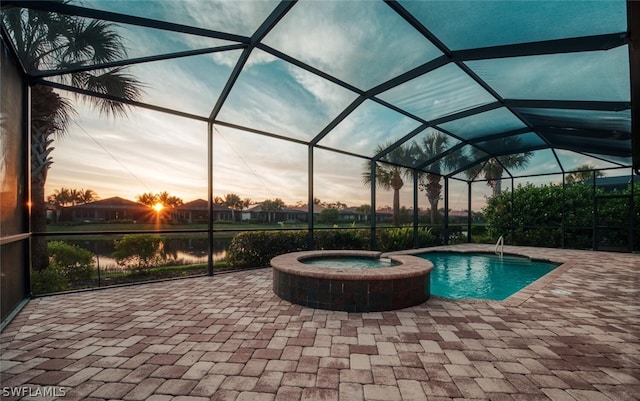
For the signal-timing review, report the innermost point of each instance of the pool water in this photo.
(349, 262)
(482, 276)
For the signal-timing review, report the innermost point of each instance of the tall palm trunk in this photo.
(39, 250)
(396, 184)
(494, 176)
(433, 190)
(47, 109)
(496, 186)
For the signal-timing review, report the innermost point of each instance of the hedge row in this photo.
(539, 218)
(257, 248)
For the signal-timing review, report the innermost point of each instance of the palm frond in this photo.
(93, 42)
(113, 83)
(51, 109)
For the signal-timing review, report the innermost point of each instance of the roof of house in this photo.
(350, 210)
(619, 182)
(305, 208)
(110, 203)
(201, 204)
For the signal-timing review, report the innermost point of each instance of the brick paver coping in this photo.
(351, 289)
(573, 337)
(408, 266)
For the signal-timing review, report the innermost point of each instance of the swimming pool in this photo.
(350, 262)
(459, 275)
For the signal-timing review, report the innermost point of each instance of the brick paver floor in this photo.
(573, 335)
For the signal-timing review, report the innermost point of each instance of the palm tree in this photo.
(60, 197)
(169, 200)
(432, 146)
(364, 210)
(69, 197)
(87, 196)
(493, 169)
(234, 202)
(45, 40)
(582, 173)
(270, 207)
(65, 197)
(167, 203)
(389, 176)
(147, 199)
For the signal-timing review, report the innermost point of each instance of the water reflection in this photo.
(179, 251)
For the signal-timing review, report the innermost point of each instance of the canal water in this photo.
(179, 251)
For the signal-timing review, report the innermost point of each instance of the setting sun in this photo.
(158, 207)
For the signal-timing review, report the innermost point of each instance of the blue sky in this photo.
(362, 43)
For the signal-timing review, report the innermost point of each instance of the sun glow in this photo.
(158, 207)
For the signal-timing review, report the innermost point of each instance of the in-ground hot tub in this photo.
(402, 283)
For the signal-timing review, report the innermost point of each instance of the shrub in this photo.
(70, 261)
(49, 280)
(329, 215)
(140, 250)
(257, 248)
(395, 239)
(478, 230)
(341, 239)
(538, 215)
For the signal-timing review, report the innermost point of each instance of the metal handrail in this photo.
(500, 244)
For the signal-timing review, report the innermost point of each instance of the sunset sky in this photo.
(362, 43)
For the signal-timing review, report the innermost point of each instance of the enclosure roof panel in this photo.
(444, 91)
(362, 43)
(491, 23)
(477, 81)
(583, 76)
(237, 17)
(489, 123)
(369, 129)
(276, 96)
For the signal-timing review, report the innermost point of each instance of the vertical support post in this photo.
(26, 167)
(564, 200)
(310, 240)
(446, 211)
(594, 220)
(469, 213)
(513, 199)
(210, 197)
(373, 205)
(633, 16)
(416, 243)
(631, 212)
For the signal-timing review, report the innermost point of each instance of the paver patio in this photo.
(573, 335)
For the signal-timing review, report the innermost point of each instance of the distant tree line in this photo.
(70, 197)
(150, 199)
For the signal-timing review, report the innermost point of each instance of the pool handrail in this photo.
(500, 244)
